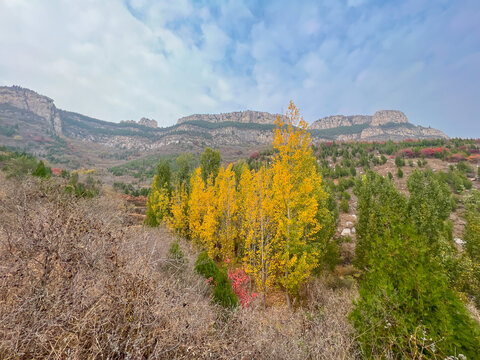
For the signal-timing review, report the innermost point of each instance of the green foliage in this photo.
(465, 167)
(42, 171)
(331, 254)
(88, 189)
(222, 293)
(406, 306)
(18, 165)
(210, 163)
(344, 205)
(399, 173)
(430, 202)
(399, 162)
(185, 163)
(176, 253)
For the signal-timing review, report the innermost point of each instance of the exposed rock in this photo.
(143, 121)
(148, 122)
(383, 117)
(370, 132)
(353, 230)
(346, 232)
(331, 122)
(245, 117)
(459, 241)
(29, 100)
(349, 224)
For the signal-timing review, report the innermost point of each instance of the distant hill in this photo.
(30, 119)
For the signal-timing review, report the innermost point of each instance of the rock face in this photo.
(331, 122)
(148, 122)
(246, 117)
(143, 121)
(384, 117)
(29, 100)
(381, 117)
(37, 114)
(383, 125)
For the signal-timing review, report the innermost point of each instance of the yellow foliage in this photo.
(297, 193)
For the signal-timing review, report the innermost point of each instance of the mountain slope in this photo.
(26, 115)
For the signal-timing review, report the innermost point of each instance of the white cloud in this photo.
(167, 59)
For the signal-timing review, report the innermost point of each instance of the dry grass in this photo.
(76, 283)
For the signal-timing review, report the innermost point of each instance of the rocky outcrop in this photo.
(241, 128)
(29, 100)
(383, 117)
(245, 117)
(143, 121)
(331, 122)
(148, 122)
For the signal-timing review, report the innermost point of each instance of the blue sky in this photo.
(127, 59)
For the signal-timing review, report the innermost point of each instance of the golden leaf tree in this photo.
(258, 228)
(297, 193)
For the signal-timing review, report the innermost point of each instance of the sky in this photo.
(117, 60)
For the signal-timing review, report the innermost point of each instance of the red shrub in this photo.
(255, 155)
(407, 153)
(240, 282)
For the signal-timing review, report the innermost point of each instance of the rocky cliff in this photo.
(143, 121)
(381, 126)
(36, 115)
(29, 100)
(243, 117)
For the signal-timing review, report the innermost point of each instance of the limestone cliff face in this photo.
(331, 122)
(246, 117)
(242, 128)
(383, 117)
(148, 122)
(29, 100)
(143, 121)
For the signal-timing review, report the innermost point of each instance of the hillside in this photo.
(26, 116)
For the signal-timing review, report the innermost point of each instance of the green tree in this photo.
(158, 202)
(210, 163)
(42, 170)
(406, 306)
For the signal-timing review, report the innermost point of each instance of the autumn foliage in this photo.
(265, 221)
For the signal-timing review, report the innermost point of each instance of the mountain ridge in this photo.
(226, 129)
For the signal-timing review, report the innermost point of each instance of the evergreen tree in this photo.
(210, 164)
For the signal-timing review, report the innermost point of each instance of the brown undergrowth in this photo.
(76, 283)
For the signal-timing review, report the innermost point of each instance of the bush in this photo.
(399, 173)
(42, 171)
(222, 293)
(344, 205)
(176, 253)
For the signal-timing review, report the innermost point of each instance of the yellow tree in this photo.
(258, 228)
(227, 211)
(209, 226)
(179, 209)
(296, 193)
(196, 206)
